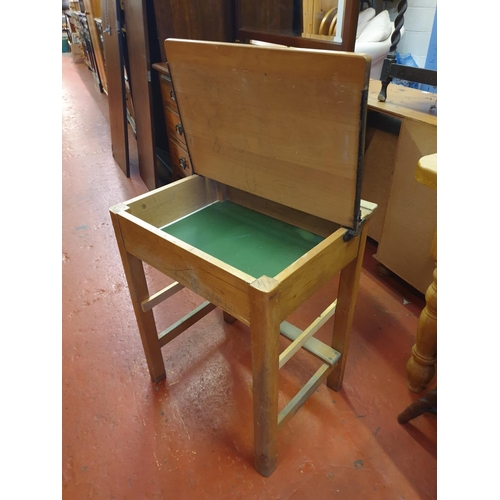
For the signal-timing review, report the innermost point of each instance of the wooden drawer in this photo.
(174, 127)
(181, 163)
(167, 93)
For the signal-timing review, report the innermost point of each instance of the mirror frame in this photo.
(350, 24)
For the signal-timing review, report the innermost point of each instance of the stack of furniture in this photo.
(180, 159)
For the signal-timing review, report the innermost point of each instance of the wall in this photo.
(418, 23)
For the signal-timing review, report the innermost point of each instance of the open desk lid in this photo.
(283, 124)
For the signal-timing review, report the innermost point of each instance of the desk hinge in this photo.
(352, 233)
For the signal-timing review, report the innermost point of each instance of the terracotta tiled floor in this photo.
(190, 437)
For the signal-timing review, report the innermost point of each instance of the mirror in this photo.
(322, 24)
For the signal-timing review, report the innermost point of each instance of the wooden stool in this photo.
(421, 366)
(272, 213)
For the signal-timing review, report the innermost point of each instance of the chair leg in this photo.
(264, 328)
(346, 303)
(145, 320)
(138, 288)
(421, 366)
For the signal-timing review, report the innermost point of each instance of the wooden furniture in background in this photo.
(299, 216)
(113, 54)
(400, 131)
(391, 69)
(137, 34)
(193, 20)
(179, 156)
(421, 365)
(426, 404)
(81, 17)
(282, 22)
(93, 11)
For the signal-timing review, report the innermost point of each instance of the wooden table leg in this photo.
(421, 366)
(264, 330)
(344, 314)
(138, 288)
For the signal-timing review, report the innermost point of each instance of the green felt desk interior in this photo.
(247, 240)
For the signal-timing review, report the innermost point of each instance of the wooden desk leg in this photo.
(264, 328)
(346, 303)
(138, 288)
(228, 318)
(421, 366)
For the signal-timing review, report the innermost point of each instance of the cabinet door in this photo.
(411, 219)
(138, 55)
(113, 54)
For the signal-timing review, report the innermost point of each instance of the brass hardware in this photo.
(179, 129)
(183, 162)
(172, 95)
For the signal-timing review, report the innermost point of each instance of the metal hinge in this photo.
(352, 233)
(148, 75)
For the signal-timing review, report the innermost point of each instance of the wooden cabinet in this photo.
(179, 156)
(400, 131)
(195, 20)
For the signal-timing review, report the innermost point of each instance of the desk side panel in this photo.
(171, 202)
(226, 289)
(309, 273)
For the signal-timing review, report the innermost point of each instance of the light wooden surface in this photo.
(410, 221)
(289, 133)
(427, 171)
(421, 367)
(403, 102)
(171, 202)
(383, 147)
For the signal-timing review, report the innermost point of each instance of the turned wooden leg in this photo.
(344, 314)
(138, 288)
(421, 366)
(264, 328)
(426, 404)
(228, 318)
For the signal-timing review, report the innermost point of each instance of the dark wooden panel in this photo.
(138, 53)
(194, 19)
(267, 15)
(113, 54)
